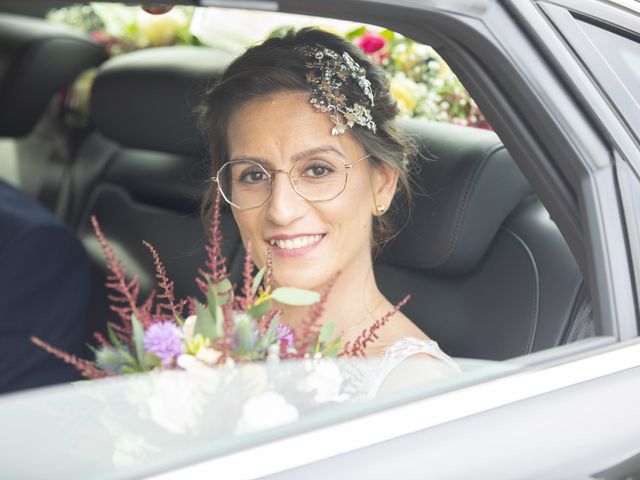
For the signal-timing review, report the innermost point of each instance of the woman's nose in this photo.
(284, 205)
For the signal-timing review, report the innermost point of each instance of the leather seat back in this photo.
(143, 171)
(489, 271)
(38, 62)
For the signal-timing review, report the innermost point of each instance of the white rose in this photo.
(254, 378)
(178, 399)
(267, 410)
(208, 355)
(130, 449)
(326, 380)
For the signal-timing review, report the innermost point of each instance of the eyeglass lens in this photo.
(247, 184)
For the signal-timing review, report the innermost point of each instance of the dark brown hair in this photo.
(275, 66)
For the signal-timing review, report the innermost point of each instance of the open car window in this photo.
(492, 257)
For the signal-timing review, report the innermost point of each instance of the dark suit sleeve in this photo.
(45, 286)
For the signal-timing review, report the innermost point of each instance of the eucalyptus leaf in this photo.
(246, 334)
(332, 351)
(260, 309)
(219, 322)
(149, 361)
(114, 360)
(257, 280)
(270, 335)
(212, 299)
(205, 323)
(138, 334)
(224, 291)
(295, 296)
(326, 333)
(113, 338)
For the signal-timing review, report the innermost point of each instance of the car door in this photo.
(548, 420)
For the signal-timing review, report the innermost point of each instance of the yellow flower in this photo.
(196, 343)
(406, 92)
(157, 30)
(264, 295)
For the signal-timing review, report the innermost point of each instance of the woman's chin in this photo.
(298, 280)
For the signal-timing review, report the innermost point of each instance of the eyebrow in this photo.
(304, 153)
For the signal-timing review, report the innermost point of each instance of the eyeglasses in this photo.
(246, 184)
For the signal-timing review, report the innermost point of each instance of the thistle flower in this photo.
(164, 340)
(285, 333)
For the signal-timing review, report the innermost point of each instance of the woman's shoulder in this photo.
(416, 348)
(407, 362)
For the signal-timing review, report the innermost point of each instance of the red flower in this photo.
(371, 42)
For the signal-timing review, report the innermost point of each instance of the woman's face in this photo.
(309, 241)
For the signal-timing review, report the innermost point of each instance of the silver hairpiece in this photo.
(328, 71)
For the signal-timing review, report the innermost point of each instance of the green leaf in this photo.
(260, 309)
(326, 333)
(149, 361)
(246, 335)
(223, 291)
(138, 334)
(257, 280)
(113, 338)
(280, 31)
(358, 32)
(212, 297)
(295, 296)
(270, 336)
(332, 350)
(388, 35)
(205, 323)
(114, 360)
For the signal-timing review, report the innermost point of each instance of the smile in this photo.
(295, 243)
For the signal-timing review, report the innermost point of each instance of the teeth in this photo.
(297, 242)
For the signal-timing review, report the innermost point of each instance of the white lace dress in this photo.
(366, 378)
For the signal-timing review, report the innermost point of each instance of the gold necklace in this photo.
(360, 322)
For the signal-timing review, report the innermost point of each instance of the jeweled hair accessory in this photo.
(328, 72)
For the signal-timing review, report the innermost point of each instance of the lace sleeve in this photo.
(377, 369)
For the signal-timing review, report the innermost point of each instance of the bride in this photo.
(306, 152)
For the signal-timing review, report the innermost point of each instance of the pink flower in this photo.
(371, 42)
(285, 333)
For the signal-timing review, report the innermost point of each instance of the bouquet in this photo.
(225, 329)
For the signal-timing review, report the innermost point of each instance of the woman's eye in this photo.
(254, 176)
(317, 171)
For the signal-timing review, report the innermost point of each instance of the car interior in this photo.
(490, 274)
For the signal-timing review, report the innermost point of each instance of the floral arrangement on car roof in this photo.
(225, 329)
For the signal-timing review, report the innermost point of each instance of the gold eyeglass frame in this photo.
(271, 176)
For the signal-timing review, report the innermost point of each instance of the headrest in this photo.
(471, 184)
(146, 99)
(37, 59)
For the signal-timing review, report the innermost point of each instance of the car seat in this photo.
(143, 171)
(39, 60)
(489, 271)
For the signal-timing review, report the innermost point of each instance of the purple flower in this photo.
(284, 333)
(164, 340)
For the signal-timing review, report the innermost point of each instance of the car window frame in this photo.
(614, 111)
